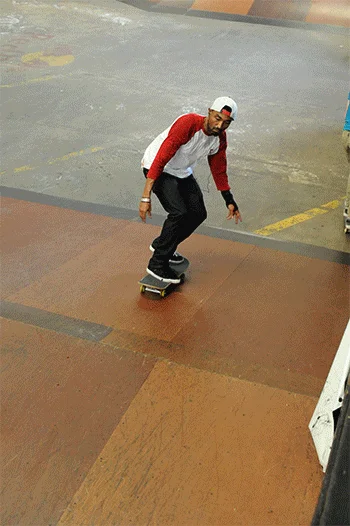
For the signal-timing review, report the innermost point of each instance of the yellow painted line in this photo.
(51, 60)
(23, 169)
(332, 205)
(66, 157)
(30, 81)
(75, 154)
(97, 149)
(35, 80)
(27, 168)
(299, 218)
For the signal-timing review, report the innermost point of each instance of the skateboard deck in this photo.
(151, 284)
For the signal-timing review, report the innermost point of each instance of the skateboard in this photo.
(151, 284)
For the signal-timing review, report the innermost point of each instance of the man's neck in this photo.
(205, 126)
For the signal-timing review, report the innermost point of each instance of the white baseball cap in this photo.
(225, 105)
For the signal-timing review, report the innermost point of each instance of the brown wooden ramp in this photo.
(309, 11)
(125, 409)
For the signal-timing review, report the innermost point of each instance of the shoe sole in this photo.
(170, 260)
(165, 280)
(176, 262)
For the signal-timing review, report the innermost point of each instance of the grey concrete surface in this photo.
(134, 72)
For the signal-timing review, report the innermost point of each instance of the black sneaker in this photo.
(175, 259)
(164, 274)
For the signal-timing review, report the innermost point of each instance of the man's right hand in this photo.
(144, 210)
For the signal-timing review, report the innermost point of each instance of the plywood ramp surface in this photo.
(61, 399)
(199, 448)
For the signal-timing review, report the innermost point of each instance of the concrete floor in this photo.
(85, 88)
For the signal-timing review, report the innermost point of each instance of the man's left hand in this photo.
(234, 213)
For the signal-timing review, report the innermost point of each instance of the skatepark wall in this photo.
(323, 421)
(333, 503)
(330, 430)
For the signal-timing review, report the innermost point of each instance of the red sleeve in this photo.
(218, 165)
(180, 133)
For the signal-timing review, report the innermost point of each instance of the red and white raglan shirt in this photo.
(178, 149)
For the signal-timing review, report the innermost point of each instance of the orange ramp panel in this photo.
(239, 7)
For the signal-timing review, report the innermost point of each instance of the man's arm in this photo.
(145, 207)
(218, 167)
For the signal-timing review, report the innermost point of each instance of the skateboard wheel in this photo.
(142, 289)
(162, 294)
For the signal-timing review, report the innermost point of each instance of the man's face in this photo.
(217, 122)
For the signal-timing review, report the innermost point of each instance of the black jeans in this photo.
(183, 200)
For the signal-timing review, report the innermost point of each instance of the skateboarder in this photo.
(168, 165)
